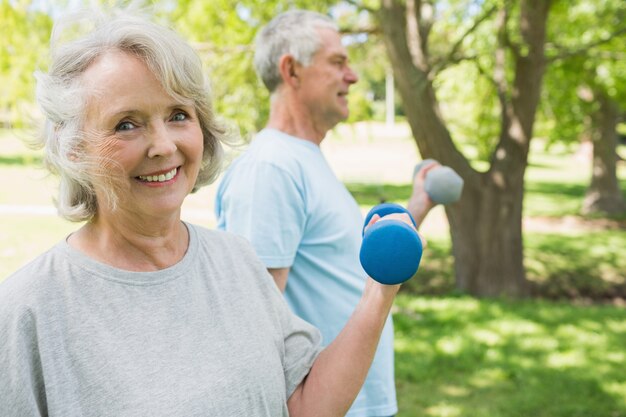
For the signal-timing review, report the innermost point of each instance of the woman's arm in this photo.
(340, 370)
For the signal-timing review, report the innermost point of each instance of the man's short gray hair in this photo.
(62, 98)
(295, 33)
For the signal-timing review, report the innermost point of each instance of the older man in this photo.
(282, 195)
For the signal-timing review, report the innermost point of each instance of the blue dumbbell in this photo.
(391, 250)
(442, 184)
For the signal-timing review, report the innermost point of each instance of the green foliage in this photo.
(23, 48)
(368, 59)
(360, 103)
(470, 108)
(483, 358)
(465, 87)
(586, 61)
(562, 113)
(223, 32)
(223, 35)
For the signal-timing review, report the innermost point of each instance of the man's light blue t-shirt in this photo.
(282, 195)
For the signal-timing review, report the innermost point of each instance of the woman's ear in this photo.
(288, 68)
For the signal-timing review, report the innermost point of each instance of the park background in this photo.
(544, 341)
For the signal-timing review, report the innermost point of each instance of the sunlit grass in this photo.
(468, 357)
(25, 236)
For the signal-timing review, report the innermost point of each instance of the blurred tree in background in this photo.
(472, 72)
(585, 92)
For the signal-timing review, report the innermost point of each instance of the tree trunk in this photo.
(486, 224)
(487, 241)
(604, 194)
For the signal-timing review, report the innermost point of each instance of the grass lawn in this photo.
(497, 358)
(24, 236)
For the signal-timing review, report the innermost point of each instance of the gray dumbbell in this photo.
(442, 184)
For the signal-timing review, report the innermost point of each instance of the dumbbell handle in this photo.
(443, 185)
(391, 250)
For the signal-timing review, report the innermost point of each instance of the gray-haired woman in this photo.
(138, 313)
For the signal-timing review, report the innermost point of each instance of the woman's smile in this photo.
(159, 178)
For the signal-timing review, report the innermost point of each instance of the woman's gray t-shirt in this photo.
(209, 336)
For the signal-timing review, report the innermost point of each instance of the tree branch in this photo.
(345, 30)
(209, 47)
(564, 53)
(441, 64)
(359, 5)
(426, 21)
(485, 74)
(499, 75)
(414, 38)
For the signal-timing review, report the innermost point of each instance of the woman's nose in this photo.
(162, 142)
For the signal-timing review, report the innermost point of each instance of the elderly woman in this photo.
(138, 313)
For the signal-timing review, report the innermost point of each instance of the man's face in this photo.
(326, 80)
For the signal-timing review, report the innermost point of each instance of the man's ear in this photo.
(288, 68)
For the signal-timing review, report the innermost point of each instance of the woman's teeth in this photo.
(159, 178)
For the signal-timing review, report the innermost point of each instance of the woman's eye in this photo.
(179, 117)
(124, 126)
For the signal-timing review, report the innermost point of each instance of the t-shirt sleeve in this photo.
(302, 343)
(265, 204)
(299, 342)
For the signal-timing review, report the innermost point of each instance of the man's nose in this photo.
(350, 76)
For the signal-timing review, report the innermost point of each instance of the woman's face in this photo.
(150, 143)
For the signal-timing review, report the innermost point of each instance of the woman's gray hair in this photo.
(62, 98)
(295, 33)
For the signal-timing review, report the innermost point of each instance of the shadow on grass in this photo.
(589, 265)
(20, 160)
(586, 266)
(467, 357)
